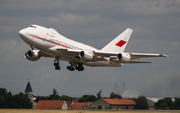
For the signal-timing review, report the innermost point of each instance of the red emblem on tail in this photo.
(121, 43)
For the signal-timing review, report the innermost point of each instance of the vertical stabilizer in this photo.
(119, 43)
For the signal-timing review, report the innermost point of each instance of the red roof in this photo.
(80, 105)
(50, 104)
(76, 99)
(68, 103)
(120, 101)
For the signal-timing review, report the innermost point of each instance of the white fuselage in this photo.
(45, 39)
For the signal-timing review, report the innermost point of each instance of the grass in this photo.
(84, 111)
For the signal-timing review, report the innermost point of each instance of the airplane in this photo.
(47, 42)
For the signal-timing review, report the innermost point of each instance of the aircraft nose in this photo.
(22, 32)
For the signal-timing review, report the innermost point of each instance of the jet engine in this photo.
(86, 55)
(32, 55)
(124, 57)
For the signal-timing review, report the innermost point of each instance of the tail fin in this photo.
(119, 43)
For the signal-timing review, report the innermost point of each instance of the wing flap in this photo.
(72, 52)
(105, 53)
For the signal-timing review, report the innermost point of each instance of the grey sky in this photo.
(156, 26)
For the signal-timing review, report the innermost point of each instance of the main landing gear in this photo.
(56, 64)
(73, 65)
(78, 67)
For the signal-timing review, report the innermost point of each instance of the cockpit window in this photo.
(33, 26)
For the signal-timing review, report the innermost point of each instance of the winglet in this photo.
(163, 55)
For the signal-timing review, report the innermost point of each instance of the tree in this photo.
(54, 92)
(169, 102)
(41, 98)
(161, 104)
(65, 97)
(3, 92)
(87, 98)
(115, 96)
(1, 101)
(7, 100)
(23, 101)
(99, 94)
(82, 99)
(91, 98)
(164, 104)
(54, 95)
(141, 103)
(177, 103)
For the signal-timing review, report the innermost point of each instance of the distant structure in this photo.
(119, 90)
(29, 92)
(112, 104)
(52, 104)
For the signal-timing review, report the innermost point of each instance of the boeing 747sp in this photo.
(47, 42)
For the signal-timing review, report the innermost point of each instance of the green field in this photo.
(84, 111)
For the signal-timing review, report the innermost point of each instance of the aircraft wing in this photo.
(145, 55)
(133, 56)
(103, 55)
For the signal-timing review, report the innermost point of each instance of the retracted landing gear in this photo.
(56, 64)
(77, 66)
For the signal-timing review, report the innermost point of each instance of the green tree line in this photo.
(53, 96)
(141, 101)
(168, 104)
(7, 100)
(84, 98)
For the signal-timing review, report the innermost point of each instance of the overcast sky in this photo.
(156, 25)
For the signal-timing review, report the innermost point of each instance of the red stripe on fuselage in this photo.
(50, 41)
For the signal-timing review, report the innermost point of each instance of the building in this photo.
(151, 107)
(112, 104)
(28, 91)
(76, 99)
(52, 104)
(69, 103)
(79, 105)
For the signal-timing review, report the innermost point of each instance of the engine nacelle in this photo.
(32, 55)
(124, 57)
(86, 55)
